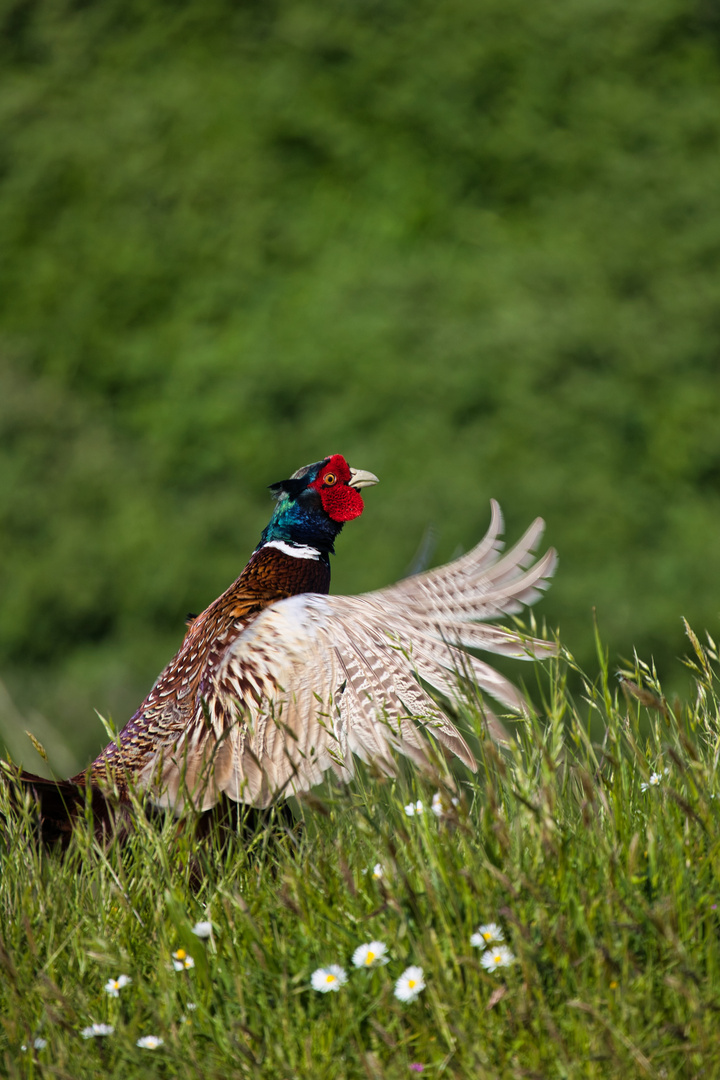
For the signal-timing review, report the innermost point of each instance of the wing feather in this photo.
(314, 680)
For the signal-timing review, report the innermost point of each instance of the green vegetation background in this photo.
(475, 246)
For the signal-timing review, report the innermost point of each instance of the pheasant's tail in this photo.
(60, 803)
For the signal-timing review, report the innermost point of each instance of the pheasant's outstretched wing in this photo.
(315, 679)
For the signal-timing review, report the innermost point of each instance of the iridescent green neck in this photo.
(302, 521)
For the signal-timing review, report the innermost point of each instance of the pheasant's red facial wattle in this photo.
(340, 501)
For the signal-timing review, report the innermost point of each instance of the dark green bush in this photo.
(474, 246)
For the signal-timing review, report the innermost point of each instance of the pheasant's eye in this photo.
(330, 479)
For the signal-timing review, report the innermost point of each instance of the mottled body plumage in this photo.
(176, 699)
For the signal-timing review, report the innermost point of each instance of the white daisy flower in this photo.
(202, 929)
(114, 986)
(440, 804)
(374, 954)
(486, 935)
(655, 779)
(149, 1042)
(414, 808)
(191, 1006)
(375, 871)
(97, 1031)
(328, 978)
(181, 960)
(410, 983)
(38, 1044)
(496, 957)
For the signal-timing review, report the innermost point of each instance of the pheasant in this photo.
(276, 683)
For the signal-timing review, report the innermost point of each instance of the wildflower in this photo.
(328, 978)
(376, 871)
(414, 808)
(38, 1044)
(614, 984)
(439, 804)
(114, 986)
(410, 983)
(486, 935)
(191, 1006)
(415, 1066)
(655, 779)
(202, 929)
(181, 960)
(371, 955)
(149, 1042)
(497, 957)
(97, 1031)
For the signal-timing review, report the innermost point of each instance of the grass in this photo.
(607, 894)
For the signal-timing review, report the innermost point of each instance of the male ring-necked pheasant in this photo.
(277, 682)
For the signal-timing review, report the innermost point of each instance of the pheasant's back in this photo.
(177, 698)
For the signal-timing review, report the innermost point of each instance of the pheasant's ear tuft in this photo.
(292, 487)
(299, 480)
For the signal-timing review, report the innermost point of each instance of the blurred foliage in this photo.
(473, 246)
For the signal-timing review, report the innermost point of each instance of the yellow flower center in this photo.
(411, 983)
(487, 935)
(369, 958)
(330, 978)
(498, 958)
(180, 954)
(613, 985)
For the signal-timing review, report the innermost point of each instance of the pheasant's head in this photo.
(315, 502)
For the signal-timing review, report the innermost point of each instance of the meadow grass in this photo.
(592, 841)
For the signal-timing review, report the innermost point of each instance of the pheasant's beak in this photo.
(360, 479)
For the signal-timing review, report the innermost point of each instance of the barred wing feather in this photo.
(314, 680)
